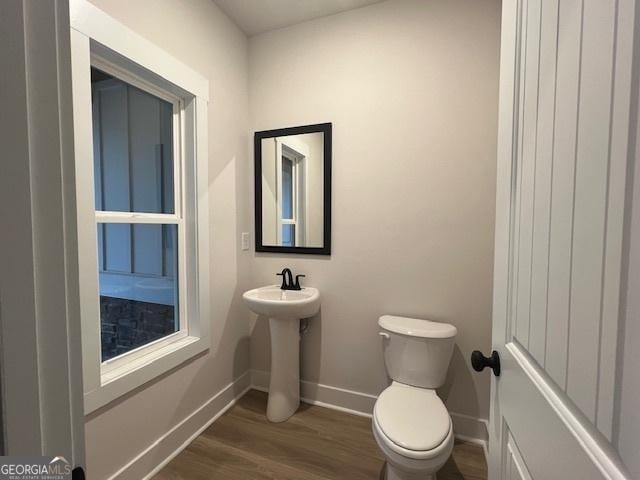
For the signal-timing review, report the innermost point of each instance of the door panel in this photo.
(565, 86)
(527, 153)
(567, 81)
(590, 203)
(514, 466)
(547, 437)
(542, 181)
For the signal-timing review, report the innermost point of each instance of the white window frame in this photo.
(99, 40)
(116, 364)
(298, 153)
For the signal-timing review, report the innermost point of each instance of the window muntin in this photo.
(139, 226)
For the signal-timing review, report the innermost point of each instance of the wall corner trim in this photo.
(153, 458)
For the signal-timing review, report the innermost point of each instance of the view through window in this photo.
(137, 255)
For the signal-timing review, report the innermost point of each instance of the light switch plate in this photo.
(244, 242)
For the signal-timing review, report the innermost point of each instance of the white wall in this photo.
(411, 88)
(269, 192)
(314, 220)
(202, 37)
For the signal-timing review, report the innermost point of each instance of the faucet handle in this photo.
(284, 283)
(297, 284)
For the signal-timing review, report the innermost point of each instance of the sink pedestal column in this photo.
(284, 385)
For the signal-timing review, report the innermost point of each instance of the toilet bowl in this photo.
(413, 429)
(411, 425)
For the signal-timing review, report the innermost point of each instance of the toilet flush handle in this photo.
(384, 335)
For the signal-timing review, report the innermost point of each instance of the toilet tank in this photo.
(417, 352)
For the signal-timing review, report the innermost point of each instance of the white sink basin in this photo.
(284, 308)
(273, 302)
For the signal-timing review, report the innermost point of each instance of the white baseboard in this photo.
(152, 459)
(467, 428)
(472, 430)
(482, 443)
(348, 401)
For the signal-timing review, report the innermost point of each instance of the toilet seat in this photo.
(413, 422)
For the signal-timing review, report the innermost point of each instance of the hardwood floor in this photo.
(315, 444)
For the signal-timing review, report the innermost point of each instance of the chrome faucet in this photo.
(287, 280)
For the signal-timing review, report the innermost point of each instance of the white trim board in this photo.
(467, 428)
(40, 354)
(98, 25)
(153, 458)
(472, 430)
(348, 401)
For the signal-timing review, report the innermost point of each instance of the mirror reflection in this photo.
(292, 184)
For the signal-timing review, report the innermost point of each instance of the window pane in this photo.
(132, 147)
(288, 235)
(138, 285)
(287, 188)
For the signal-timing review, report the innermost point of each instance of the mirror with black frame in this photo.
(293, 189)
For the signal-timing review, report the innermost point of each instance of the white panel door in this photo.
(562, 174)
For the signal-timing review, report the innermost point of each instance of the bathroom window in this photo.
(291, 183)
(140, 121)
(139, 228)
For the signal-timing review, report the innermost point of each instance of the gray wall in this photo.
(411, 88)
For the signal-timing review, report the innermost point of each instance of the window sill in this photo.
(131, 375)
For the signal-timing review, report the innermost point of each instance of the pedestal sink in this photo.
(284, 308)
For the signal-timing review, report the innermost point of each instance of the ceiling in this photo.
(258, 16)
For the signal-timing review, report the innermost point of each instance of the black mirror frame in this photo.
(326, 129)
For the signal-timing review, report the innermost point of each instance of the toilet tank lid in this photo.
(416, 327)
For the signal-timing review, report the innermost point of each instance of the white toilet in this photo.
(410, 423)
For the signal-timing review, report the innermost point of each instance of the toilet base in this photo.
(393, 473)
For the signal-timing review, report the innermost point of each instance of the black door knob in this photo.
(78, 474)
(479, 362)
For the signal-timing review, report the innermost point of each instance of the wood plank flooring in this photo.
(315, 444)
